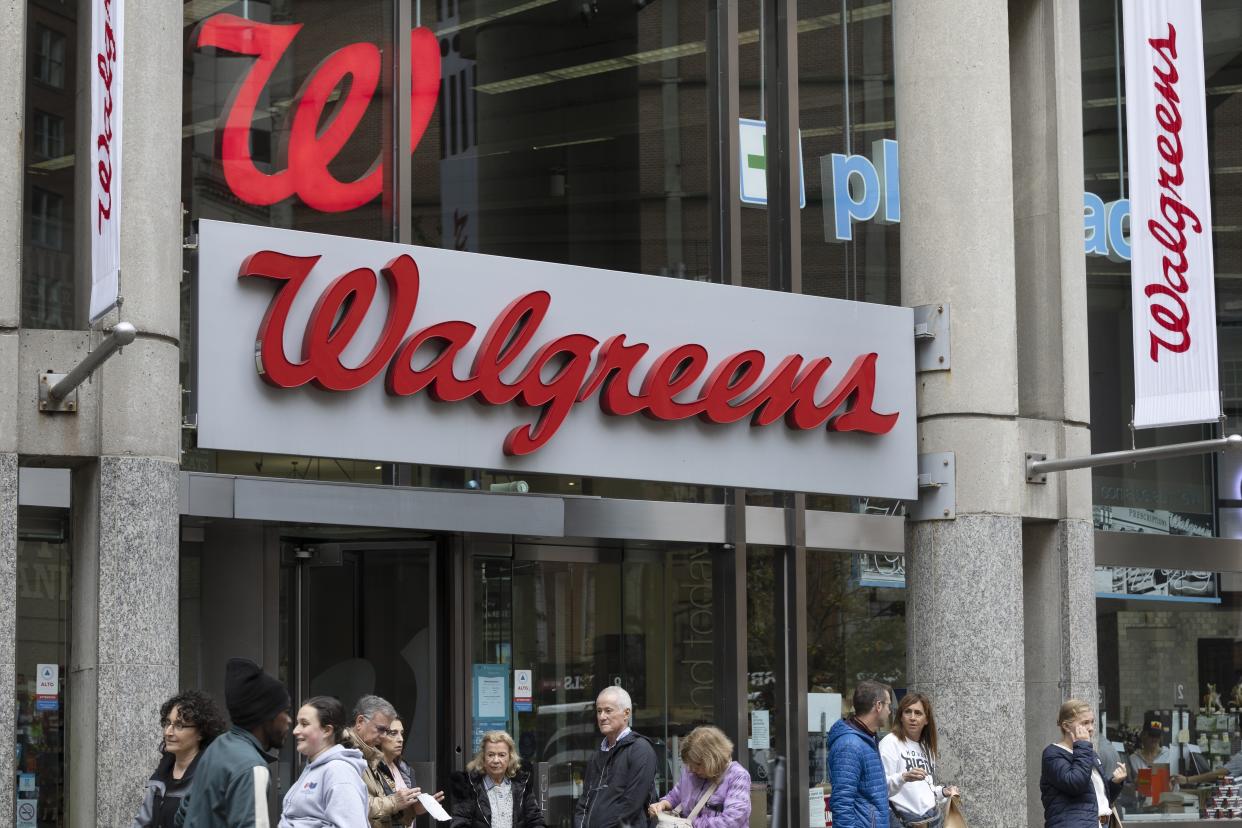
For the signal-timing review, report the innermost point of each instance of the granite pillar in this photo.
(8, 627)
(126, 510)
(124, 631)
(964, 601)
(12, 172)
(965, 651)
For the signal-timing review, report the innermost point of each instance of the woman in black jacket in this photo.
(190, 722)
(1072, 784)
(495, 791)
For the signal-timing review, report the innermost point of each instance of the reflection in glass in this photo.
(43, 588)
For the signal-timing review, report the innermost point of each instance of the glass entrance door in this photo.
(573, 620)
(362, 618)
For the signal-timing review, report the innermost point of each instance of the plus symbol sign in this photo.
(759, 162)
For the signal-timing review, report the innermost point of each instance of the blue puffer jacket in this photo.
(1066, 789)
(859, 791)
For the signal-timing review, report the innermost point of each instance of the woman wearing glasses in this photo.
(190, 720)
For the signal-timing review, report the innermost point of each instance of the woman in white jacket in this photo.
(330, 791)
(909, 757)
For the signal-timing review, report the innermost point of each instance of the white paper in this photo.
(760, 731)
(491, 690)
(433, 808)
(817, 812)
(1176, 375)
(821, 708)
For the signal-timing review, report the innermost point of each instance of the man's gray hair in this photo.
(368, 706)
(618, 694)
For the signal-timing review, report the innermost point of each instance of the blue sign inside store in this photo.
(869, 189)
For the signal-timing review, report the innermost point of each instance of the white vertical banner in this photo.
(107, 26)
(1176, 377)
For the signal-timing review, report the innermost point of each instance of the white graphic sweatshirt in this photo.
(898, 755)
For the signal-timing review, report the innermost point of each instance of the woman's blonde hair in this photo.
(708, 748)
(493, 736)
(1071, 710)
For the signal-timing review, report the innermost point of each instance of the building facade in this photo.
(865, 151)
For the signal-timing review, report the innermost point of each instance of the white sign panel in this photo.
(1175, 371)
(107, 25)
(342, 347)
(752, 159)
(48, 680)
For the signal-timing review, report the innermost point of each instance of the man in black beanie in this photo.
(231, 784)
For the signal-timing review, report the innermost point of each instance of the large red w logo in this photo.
(310, 149)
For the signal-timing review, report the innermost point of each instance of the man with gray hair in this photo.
(387, 808)
(620, 778)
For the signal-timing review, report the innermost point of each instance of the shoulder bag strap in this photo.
(703, 801)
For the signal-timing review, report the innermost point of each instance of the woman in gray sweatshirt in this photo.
(330, 791)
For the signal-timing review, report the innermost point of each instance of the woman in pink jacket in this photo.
(714, 791)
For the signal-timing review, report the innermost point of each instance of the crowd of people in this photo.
(211, 775)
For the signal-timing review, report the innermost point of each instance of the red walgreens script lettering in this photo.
(555, 377)
(105, 64)
(1167, 307)
(311, 150)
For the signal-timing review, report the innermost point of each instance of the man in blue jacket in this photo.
(859, 791)
(231, 783)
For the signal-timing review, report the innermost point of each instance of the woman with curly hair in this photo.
(191, 720)
(714, 790)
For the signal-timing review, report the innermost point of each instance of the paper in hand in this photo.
(434, 808)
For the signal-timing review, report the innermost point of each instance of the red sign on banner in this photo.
(311, 149)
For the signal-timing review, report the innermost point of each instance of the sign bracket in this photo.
(58, 392)
(937, 488)
(931, 338)
(1038, 466)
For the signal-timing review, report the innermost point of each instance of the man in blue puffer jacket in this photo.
(859, 791)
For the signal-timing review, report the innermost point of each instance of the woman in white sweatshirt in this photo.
(909, 757)
(330, 792)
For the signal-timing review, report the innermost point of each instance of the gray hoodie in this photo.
(330, 792)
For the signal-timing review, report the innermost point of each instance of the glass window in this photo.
(856, 630)
(46, 218)
(849, 146)
(49, 135)
(569, 134)
(49, 292)
(49, 56)
(581, 620)
(43, 588)
(1170, 669)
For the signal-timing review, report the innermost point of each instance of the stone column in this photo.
(957, 246)
(1054, 402)
(125, 598)
(12, 117)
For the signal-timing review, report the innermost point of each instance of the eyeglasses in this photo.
(178, 725)
(383, 731)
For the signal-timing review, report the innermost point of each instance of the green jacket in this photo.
(230, 785)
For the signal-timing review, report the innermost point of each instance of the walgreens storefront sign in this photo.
(341, 347)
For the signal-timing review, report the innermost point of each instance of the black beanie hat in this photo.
(251, 695)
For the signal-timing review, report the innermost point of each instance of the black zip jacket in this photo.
(472, 808)
(620, 784)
